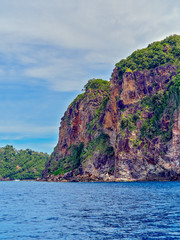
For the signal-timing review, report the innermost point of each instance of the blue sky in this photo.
(50, 49)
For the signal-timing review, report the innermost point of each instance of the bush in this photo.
(97, 84)
(162, 105)
(129, 122)
(70, 162)
(101, 144)
(152, 56)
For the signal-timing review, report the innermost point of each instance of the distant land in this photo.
(22, 164)
(125, 129)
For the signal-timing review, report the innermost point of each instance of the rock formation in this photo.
(127, 129)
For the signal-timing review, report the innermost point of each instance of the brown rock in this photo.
(134, 158)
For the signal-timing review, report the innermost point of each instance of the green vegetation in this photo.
(156, 54)
(79, 154)
(92, 84)
(77, 99)
(95, 121)
(70, 162)
(101, 144)
(75, 157)
(162, 105)
(97, 84)
(101, 85)
(129, 122)
(23, 164)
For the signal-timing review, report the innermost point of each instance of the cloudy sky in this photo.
(50, 49)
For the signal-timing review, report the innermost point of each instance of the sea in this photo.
(99, 211)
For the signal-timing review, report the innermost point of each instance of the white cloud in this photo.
(60, 74)
(104, 31)
(58, 45)
(85, 24)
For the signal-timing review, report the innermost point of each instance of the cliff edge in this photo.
(128, 128)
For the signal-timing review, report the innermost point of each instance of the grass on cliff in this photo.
(97, 84)
(100, 144)
(80, 154)
(129, 122)
(163, 105)
(156, 54)
(23, 164)
(102, 85)
(70, 162)
(92, 84)
(77, 99)
(73, 160)
(95, 122)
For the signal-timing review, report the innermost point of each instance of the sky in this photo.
(50, 49)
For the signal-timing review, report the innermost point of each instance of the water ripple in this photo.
(97, 211)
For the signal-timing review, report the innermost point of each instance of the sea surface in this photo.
(42, 210)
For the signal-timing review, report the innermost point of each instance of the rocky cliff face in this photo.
(125, 129)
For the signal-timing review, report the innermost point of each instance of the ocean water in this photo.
(41, 210)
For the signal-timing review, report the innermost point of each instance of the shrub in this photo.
(152, 56)
(162, 105)
(129, 122)
(70, 162)
(97, 84)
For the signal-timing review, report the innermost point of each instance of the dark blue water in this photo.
(40, 210)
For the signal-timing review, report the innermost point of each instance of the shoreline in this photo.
(92, 178)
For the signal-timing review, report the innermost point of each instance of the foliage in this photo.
(99, 111)
(70, 162)
(80, 154)
(156, 54)
(23, 164)
(161, 105)
(129, 122)
(97, 84)
(73, 160)
(77, 99)
(101, 144)
(92, 84)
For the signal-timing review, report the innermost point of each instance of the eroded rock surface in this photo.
(127, 131)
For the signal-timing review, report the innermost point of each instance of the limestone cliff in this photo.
(128, 128)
